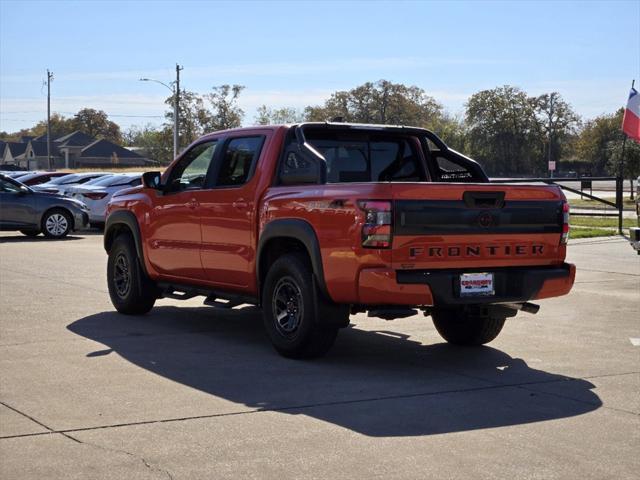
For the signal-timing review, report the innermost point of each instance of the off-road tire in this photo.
(461, 328)
(56, 223)
(131, 291)
(30, 233)
(290, 277)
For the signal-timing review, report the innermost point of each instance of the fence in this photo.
(585, 182)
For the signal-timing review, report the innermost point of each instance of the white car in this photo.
(96, 196)
(60, 185)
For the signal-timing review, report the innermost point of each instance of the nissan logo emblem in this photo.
(485, 219)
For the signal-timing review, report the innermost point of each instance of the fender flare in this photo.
(127, 219)
(300, 230)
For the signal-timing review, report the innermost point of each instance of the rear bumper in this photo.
(379, 286)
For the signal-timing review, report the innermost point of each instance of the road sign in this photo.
(552, 165)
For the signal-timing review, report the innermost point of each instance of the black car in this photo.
(32, 213)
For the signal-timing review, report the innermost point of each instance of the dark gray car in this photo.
(32, 213)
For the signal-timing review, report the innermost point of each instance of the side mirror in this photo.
(152, 180)
(23, 190)
(298, 170)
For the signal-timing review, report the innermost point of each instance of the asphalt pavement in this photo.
(189, 392)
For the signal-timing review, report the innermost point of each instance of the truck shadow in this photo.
(377, 383)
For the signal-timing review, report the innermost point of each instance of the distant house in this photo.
(11, 151)
(74, 150)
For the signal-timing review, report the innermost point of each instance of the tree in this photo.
(96, 123)
(596, 142)
(223, 109)
(557, 122)
(193, 116)
(271, 116)
(60, 125)
(382, 102)
(157, 144)
(503, 131)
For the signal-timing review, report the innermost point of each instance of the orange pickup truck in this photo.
(316, 221)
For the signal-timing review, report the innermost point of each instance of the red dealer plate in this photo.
(476, 284)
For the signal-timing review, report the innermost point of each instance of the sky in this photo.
(294, 54)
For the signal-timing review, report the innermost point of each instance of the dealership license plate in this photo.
(476, 284)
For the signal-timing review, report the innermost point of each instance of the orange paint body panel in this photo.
(556, 287)
(379, 286)
(211, 237)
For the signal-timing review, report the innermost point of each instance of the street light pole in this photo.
(176, 114)
(49, 162)
(175, 93)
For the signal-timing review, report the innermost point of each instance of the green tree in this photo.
(192, 114)
(277, 116)
(503, 132)
(382, 102)
(60, 125)
(223, 109)
(157, 143)
(96, 123)
(596, 143)
(557, 123)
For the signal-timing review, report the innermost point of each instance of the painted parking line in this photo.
(635, 341)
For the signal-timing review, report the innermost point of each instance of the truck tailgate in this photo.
(469, 226)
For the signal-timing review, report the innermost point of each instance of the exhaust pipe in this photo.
(528, 307)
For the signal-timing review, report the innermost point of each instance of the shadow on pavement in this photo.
(378, 383)
(39, 238)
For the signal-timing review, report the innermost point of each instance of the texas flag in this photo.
(631, 119)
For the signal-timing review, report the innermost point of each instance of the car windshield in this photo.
(115, 180)
(100, 180)
(72, 177)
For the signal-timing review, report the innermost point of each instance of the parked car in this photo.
(61, 184)
(16, 173)
(316, 221)
(32, 213)
(37, 178)
(97, 196)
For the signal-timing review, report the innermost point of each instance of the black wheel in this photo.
(460, 327)
(290, 310)
(56, 223)
(30, 233)
(131, 291)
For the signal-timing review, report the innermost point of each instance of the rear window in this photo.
(367, 157)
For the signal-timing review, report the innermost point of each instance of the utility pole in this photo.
(49, 78)
(176, 103)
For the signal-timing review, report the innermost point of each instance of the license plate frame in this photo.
(477, 284)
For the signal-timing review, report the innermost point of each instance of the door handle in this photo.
(240, 204)
(193, 204)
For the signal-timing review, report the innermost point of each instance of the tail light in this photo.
(95, 195)
(376, 231)
(565, 224)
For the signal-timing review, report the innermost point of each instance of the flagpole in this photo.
(624, 144)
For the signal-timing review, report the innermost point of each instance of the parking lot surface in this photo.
(191, 392)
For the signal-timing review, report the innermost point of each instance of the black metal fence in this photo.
(585, 183)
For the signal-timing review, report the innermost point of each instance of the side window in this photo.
(191, 172)
(238, 161)
(8, 187)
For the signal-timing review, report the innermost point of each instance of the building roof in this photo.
(40, 149)
(105, 148)
(16, 148)
(75, 139)
(43, 137)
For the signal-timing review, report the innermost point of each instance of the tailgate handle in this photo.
(483, 199)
